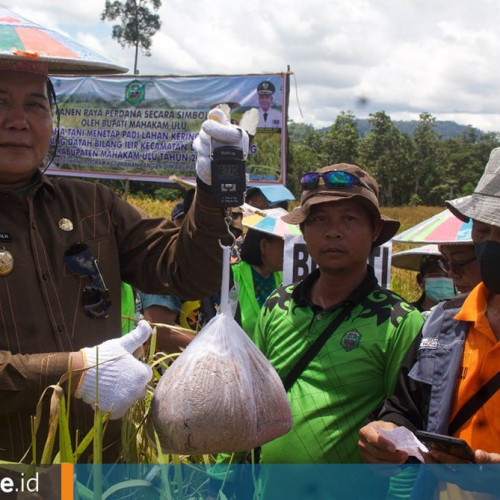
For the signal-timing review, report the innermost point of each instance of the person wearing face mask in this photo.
(453, 385)
(432, 274)
(434, 283)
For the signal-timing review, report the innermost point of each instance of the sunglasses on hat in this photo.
(333, 179)
(80, 260)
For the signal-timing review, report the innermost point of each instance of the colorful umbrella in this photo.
(23, 40)
(443, 227)
(270, 222)
(410, 259)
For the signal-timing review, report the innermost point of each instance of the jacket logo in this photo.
(429, 344)
(350, 340)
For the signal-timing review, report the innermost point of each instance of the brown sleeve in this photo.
(23, 377)
(199, 255)
(156, 257)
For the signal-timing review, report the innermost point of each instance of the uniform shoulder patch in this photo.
(385, 305)
(281, 297)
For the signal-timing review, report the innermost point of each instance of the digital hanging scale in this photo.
(227, 164)
(228, 175)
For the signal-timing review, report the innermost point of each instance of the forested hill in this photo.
(423, 163)
(445, 129)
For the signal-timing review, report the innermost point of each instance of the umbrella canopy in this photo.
(22, 40)
(410, 259)
(269, 221)
(443, 227)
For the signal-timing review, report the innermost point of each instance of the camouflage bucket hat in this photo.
(360, 186)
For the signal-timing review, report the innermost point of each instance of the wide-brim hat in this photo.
(367, 197)
(484, 204)
(442, 228)
(411, 259)
(273, 193)
(27, 46)
(269, 221)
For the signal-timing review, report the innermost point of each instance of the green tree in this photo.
(423, 169)
(301, 158)
(298, 131)
(426, 155)
(138, 23)
(342, 140)
(314, 140)
(462, 161)
(387, 155)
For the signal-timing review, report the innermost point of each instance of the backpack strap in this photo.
(316, 346)
(474, 403)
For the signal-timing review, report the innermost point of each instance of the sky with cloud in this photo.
(401, 56)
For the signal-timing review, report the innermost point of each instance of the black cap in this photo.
(265, 88)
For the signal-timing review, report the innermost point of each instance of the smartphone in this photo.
(451, 445)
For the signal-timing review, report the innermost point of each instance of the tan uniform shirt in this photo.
(40, 300)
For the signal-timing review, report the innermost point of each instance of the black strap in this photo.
(306, 358)
(474, 403)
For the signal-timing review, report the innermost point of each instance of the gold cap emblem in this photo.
(6, 262)
(65, 224)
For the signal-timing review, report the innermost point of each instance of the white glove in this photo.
(122, 377)
(219, 128)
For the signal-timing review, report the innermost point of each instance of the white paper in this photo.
(404, 440)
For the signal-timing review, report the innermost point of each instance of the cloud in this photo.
(401, 56)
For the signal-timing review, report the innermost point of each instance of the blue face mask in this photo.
(438, 289)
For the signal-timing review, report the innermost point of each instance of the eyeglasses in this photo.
(455, 267)
(333, 179)
(80, 260)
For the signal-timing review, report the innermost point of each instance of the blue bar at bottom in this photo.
(282, 482)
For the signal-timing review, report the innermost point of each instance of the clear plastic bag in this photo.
(221, 394)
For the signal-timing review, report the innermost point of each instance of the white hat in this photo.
(411, 259)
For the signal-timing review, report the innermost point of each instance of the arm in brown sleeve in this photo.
(156, 257)
(23, 377)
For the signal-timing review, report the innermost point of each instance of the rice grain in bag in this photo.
(221, 394)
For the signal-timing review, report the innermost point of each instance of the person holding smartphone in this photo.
(449, 381)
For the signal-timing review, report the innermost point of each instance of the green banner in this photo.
(143, 127)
